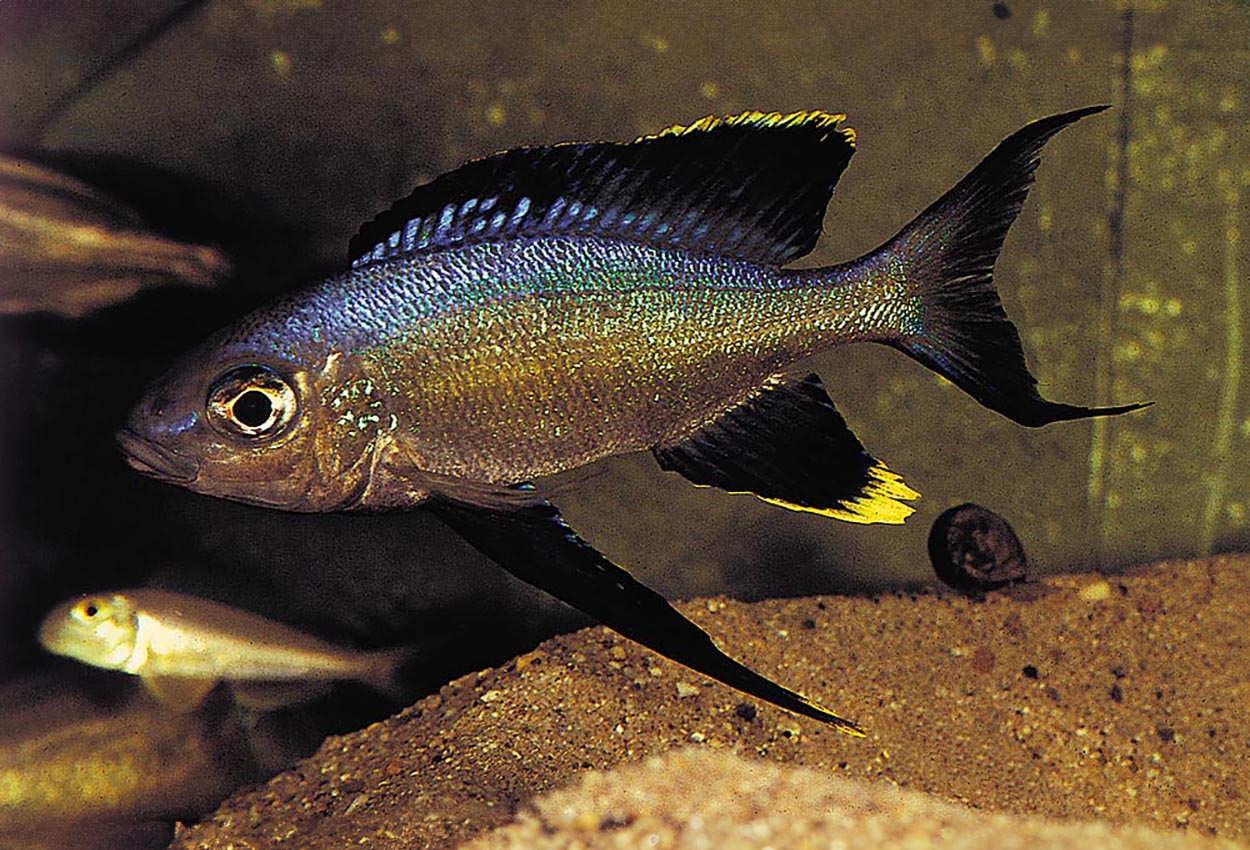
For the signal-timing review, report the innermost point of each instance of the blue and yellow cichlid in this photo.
(539, 309)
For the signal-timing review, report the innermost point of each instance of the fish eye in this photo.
(253, 408)
(251, 401)
(88, 610)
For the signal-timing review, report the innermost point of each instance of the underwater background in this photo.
(274, 129)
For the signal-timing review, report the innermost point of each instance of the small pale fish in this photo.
(66, 248)
(534, 311)
(181, 646)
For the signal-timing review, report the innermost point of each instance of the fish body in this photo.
(66, 248)
(548, 367)
(162, 636)
(534, 311)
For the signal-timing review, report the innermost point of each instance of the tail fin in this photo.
(390, 671)
(948, 254)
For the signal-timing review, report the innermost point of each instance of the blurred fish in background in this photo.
(181, 646)
(69, 249)
(90, 767)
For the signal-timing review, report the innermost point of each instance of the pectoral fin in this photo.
(178, 693)
(483, 495)
(536, 545)
(788, 445)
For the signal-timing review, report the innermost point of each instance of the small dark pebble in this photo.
(1116, 694)
(974, 550)
(1030, 672)
(1002, 11)
(609, 823)
(808, 624)
(1166, 734)
(1013, 626)
(745, 710)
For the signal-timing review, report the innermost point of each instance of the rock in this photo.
(696, 798)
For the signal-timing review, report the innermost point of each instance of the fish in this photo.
(70, 250)
(542, 308)
(181, 646)
(78, 773)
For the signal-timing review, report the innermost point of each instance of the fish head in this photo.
(246, 420)
(99, 629)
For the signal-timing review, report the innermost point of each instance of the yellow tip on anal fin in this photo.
(877, 503)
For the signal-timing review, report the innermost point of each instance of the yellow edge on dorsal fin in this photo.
(878, 503)
(813, 117)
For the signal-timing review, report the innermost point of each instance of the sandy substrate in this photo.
(1116, 699)
(697, 799)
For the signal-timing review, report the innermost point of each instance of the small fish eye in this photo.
(251, 401)
(88, 609)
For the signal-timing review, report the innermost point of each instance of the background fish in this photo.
(80, 771)
(68, 249)
(543, 308)
(181, 646)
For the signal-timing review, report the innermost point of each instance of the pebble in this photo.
(974, 550)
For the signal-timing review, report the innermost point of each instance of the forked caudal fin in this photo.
(947, 258)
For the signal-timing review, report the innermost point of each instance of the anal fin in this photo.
(788, 445)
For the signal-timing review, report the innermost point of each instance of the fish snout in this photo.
(152, 458)
(52, 632)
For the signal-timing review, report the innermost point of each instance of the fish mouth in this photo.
(51, 633)
(156, 460)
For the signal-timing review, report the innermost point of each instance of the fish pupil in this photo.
(253, 408)
(91, 611)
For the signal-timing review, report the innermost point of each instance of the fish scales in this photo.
(553, 354)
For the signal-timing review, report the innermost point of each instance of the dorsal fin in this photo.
(752, 186)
